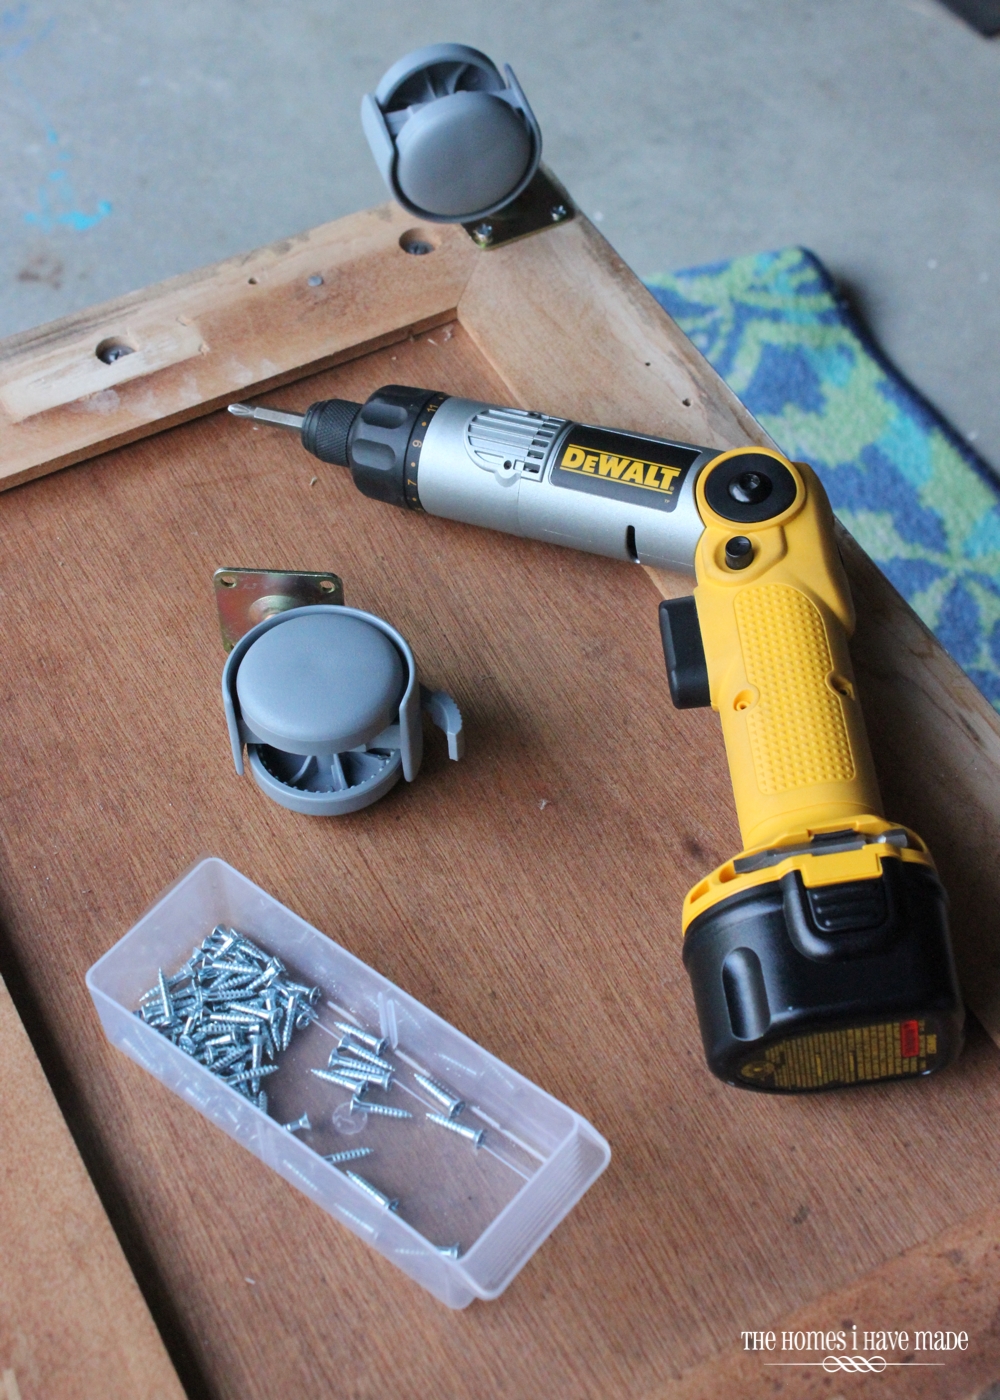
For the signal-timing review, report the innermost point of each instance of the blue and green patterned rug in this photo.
(918, 500)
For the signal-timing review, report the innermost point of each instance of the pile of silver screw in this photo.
(233, 1008)
(359, 1064)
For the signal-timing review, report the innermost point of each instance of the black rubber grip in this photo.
(380, 462)
(327, 427)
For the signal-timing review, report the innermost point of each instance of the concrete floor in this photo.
(142, 140)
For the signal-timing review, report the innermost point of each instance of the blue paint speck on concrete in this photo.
(56, 203)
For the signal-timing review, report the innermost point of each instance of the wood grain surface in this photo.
(530, 894)
(571, 330)
(567, 328)
(73, 1323)
(949, 1284)
(207, 337)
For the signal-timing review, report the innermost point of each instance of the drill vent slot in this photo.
(511, 440)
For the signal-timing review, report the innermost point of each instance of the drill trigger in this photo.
(687, 669)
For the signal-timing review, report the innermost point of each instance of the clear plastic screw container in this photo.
(490, 1206)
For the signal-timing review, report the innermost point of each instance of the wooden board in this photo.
(73, 1323)
(530, 895)
(949, 1283)
(200, 339)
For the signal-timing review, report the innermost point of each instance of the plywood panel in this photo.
(531, 895)
(949, 1284)
(73, 1323)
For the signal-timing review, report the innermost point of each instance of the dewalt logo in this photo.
(630, 471)
(623, 466)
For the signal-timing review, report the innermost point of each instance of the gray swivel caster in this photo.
(325, 699)
(454, 139)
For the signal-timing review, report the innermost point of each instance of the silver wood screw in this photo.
(231, 994)
(344, 1081)
(363, 1106)
(373, 1191)
(358, 1052)
(473, 1135)
(301, 1125)
(451, 1105)
(351, 1155)
(373, 1042)
(383, 1081)
(254, 1075)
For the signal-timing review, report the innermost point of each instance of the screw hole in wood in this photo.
(113, 349)
(417, 241)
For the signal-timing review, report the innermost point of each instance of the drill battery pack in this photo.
(819, 986)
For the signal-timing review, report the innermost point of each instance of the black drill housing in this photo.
(372, 438)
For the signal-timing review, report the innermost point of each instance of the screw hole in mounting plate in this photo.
(327, 585)
(113, 349)
(227, 580)
(744, 700)
(252, 281)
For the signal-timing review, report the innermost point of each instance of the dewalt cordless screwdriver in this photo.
(819, 956)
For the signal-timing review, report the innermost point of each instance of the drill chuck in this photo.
(326, 429)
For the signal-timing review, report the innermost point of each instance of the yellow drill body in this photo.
(776, 648)
(819, 955)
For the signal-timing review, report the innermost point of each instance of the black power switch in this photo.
(687, 671)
